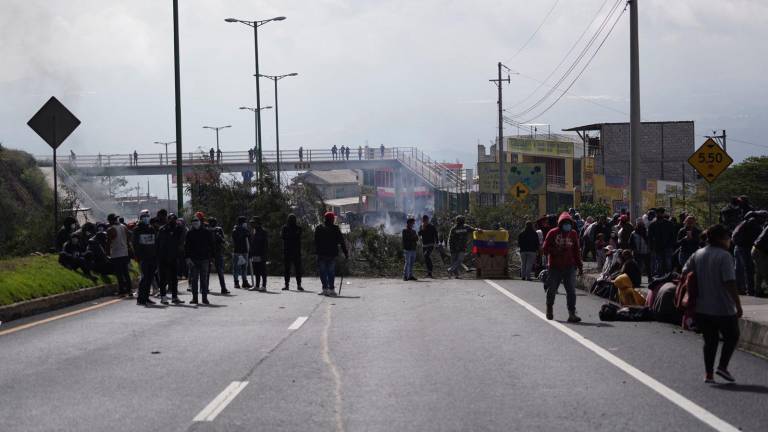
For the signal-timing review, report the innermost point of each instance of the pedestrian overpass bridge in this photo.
(409, 159)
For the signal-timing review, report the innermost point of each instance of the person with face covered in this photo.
(198, 251)
(241, 246)
(169, 249)
(328, 239)
(119, 250)
(561, 245)
(65, 232)
(219, 243)
(291, 235)
(146, 253)
(259, 242)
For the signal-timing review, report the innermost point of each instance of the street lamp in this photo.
(257, 116)
(275, 79)
(167, 181)
(217, 129)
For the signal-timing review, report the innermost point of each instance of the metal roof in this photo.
(599, 126)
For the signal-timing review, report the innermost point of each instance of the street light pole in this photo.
(167, 181)
(634, 113)
(275, 79)
(257, 113)
(179, 177)
(217, 129)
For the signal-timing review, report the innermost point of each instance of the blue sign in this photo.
(247, 175)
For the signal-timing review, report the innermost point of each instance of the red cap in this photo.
(199, 215)
(329, 215)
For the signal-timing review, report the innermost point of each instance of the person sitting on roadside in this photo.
(72, 256)
(630, 268)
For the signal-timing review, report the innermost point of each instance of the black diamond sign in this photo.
(54, 122)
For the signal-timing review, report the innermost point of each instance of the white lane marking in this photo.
(332, 367)
(221, 401)
(298, 323)
(681, 401)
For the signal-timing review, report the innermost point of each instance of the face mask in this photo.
(196, 224)
(145, 220)
(244, 225)
(566, 227)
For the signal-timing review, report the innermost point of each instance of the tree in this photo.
(749, 177)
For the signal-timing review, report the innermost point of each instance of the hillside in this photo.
(26, 203)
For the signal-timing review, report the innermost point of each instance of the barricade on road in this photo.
(491, 249)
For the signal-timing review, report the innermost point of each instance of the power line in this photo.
(582, 70)
(576, 61)
(565, 57)
(535, 31)
(584, 98)
(741, 141)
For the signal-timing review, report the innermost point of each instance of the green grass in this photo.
(33, 277)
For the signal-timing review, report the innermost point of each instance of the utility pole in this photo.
(720, 139)
(179, 176)
(635, 196)
(500, 142)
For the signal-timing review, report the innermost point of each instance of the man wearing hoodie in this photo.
(259, 247)
(291, 235)
(561, 245)
(146, 253)
(198, 251)
(169, 246)
(241, 246)
(328, 238)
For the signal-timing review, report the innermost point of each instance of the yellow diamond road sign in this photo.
(519, 191)
(710, 160)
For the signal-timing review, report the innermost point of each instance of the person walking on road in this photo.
(291, 235)
(717, 307)
(428, 234)
(146, 254)
(169, 248)
(528, 242)
(119, 249)
(744, 238)
(259, 247)
(198, 251)
(241, 246)
(458, 238)
(410, 240)
(760, 259)
(328, 239)
(561, 245)
(219, 244)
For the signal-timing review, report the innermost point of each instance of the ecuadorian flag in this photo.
(494, 242)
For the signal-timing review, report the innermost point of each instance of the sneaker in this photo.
(225, 291)
(246, 285)
(141, 303)
(237, 285)
(413, 278)
(285, 288)
(724, 374)
(263, 289)
(205, 301)
(164, 300)
(150, 302)
(550, 313)
(709, 379)
(300, 288)
(323, 293)
(429, 275)
(405, 278)
(176, 300)
(332, 293)
(573, 318)
(193, 301)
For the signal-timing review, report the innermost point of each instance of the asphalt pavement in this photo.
(434, 355)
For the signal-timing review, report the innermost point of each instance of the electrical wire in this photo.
(519, 50)
(584, 98)
(575, 63)
(586, 65)
(565, 57)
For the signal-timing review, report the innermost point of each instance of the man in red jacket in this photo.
(561, 245)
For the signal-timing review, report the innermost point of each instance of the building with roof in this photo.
(333, 184)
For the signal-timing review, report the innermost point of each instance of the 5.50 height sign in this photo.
(710, 160)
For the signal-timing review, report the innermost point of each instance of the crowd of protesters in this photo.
(168, 248)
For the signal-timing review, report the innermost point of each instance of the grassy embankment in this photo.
(32, 277)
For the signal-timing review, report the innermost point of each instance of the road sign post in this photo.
(710, 160)
(54, 123)
(519, 191)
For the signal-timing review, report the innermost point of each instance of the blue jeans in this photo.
(745, 270)
(568, 277)
(327, 269)
(410, 259)
(239, 269)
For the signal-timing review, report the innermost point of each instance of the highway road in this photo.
(438, 355)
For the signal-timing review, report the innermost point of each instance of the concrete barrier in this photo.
(57, 301)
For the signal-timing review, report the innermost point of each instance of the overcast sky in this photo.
(402, 73)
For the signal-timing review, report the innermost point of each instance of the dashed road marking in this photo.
(221, 401)
(332, 368)
(681, 401)
(298, 323)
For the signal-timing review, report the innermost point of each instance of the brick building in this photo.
(665, 148)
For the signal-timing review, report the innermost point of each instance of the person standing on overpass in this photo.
(328, 238)
(561, 245)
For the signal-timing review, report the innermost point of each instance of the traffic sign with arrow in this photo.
(519, 191)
